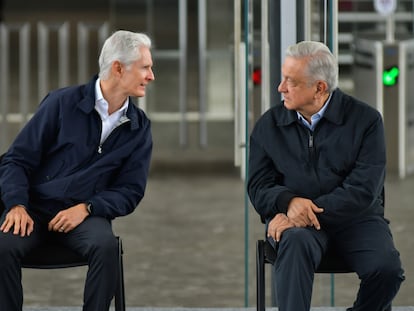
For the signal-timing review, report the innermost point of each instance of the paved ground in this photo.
(184, 247)
(206, 309)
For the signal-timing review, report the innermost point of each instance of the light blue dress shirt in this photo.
(315, 118)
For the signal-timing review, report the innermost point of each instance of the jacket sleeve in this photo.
(266, 192)
(361, 191)
(25, 153)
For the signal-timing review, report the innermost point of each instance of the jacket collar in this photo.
(336, 109)
(87, 104)
(334, 113)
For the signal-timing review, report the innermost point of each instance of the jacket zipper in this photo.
(312, 154)
(311, 148)
(310, 141)
(122, 121)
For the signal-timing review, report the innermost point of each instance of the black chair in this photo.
(265, 253)
(51, 255)
(56, 256)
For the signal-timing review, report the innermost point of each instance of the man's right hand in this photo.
(18, 219)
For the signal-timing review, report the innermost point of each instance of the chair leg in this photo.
(260, 276)
(120, 290)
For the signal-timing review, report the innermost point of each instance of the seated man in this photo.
(316, 177)
(82, 160)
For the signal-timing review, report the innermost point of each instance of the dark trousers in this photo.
(368, 248)
(93, 239)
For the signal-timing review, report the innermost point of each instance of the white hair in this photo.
(322, 65)
(123, 46)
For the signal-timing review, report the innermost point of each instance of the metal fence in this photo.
(38, 57)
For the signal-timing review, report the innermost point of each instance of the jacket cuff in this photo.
(283, 201)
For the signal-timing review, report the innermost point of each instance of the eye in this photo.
(291, 82)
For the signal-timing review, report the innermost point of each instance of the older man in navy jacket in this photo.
(316, 177)
(82, 160)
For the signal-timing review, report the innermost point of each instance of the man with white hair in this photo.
(80, 161)
(316, 178)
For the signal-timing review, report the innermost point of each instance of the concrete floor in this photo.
(205, 309)
(184, 248)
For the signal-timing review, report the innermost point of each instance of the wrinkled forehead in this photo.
(295, 67)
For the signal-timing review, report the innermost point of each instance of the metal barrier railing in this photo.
(19, 92)
(43, 33)
(23, 32)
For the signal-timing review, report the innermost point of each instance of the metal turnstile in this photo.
(382, 72)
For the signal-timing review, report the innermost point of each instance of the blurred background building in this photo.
(217, 67)
(198, 103)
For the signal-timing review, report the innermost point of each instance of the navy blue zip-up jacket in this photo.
(57, 161)
(340, 166)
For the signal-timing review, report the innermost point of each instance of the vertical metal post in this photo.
(248, 39)
(63, 46)
(83, 39)
(43, 59)
(238, 133)
(403, 121)
(43, 31)
(333, 45)
(307, 20)
(275, 50)
(333, 29)
(265, 66)
(275, 47)
(83, 31)
(182, 16)
(325, 28)
(24, 71)
(202, 50)
(301, 19)
(4, 82)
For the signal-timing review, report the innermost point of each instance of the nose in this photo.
(282, 86)
(151, 75)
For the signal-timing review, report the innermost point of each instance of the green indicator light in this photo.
(390, 76)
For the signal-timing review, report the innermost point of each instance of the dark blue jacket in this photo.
(57, 161)
(340, 166)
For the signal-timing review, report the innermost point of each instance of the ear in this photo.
(117, 68)
(321, 87)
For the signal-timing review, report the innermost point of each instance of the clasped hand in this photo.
(301, 213)
(64, 221)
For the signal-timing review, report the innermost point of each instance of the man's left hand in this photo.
(68, 219)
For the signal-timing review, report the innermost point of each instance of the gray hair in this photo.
(123, 46)
(322, 65)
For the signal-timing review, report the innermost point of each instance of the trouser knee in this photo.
(12, 248)
(104, 249)
(302, 245)
(385, 269)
